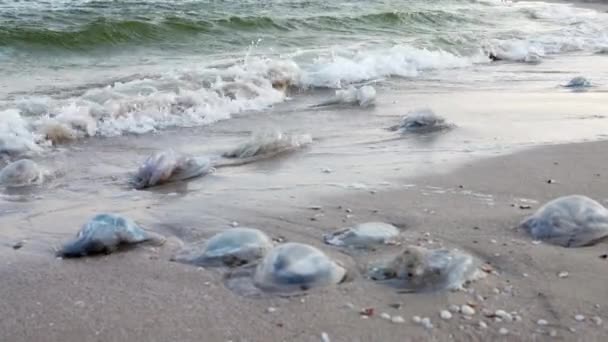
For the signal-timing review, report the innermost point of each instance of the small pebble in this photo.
(536, 242)
(552, 333)
(504, 315)
(496, 291)
(503, 331)
(597, 320)
(467, 310)
(398, 319)
(454, 308)
(327, 170)
(234, 224)
(271, 310)
(445, 315)
(579, 318)
(386, 316)
(349, 305)
(572, 330)
(493, 241)
(426, 322)
(483, 325)
(542, 322)
(315, 207)
(395, 305)
(348, 210)
(416, 319)
(367, 312)
(325, 337)
(563, 274)
(551, 181)
(18, 245)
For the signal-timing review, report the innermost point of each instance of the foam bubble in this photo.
(15, 134)
(337, 71)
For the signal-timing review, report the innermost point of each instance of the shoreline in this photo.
(93, 299)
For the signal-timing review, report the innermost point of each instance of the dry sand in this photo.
(141, 296)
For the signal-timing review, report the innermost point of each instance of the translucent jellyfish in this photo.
(422, 121)
(168, 166)
(296, 267)
(20, 173)
(578, 82)
(418, 269)
(106, 233)
(269, 143)
(363, 235)
(569, 221)
(233, 247)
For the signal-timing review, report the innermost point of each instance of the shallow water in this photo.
(135, 94)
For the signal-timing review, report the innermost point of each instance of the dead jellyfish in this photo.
(269, 143)
(106, 233)
(168, 166)
(297, 267)
(422, 121)
(418, 269)
(20, 173)
(233, 247)
(578, 82)
(364, 235)
(569, 221)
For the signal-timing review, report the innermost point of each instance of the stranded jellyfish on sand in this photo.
(268, 143)
(106, 233)
(296, 267)
(578, 82)
(233, 247)
(169, 166)
(418, 269)
(364, 235)
(20, 173)
(422, 121)
(569, 221)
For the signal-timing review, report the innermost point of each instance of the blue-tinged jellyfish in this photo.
(422, 121)
(297, 267)
(106, 233)
(232, 247)
(569, 221)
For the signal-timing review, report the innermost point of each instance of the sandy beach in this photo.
(519, 136)
(140, 295)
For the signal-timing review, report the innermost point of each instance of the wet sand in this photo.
(141, 295)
